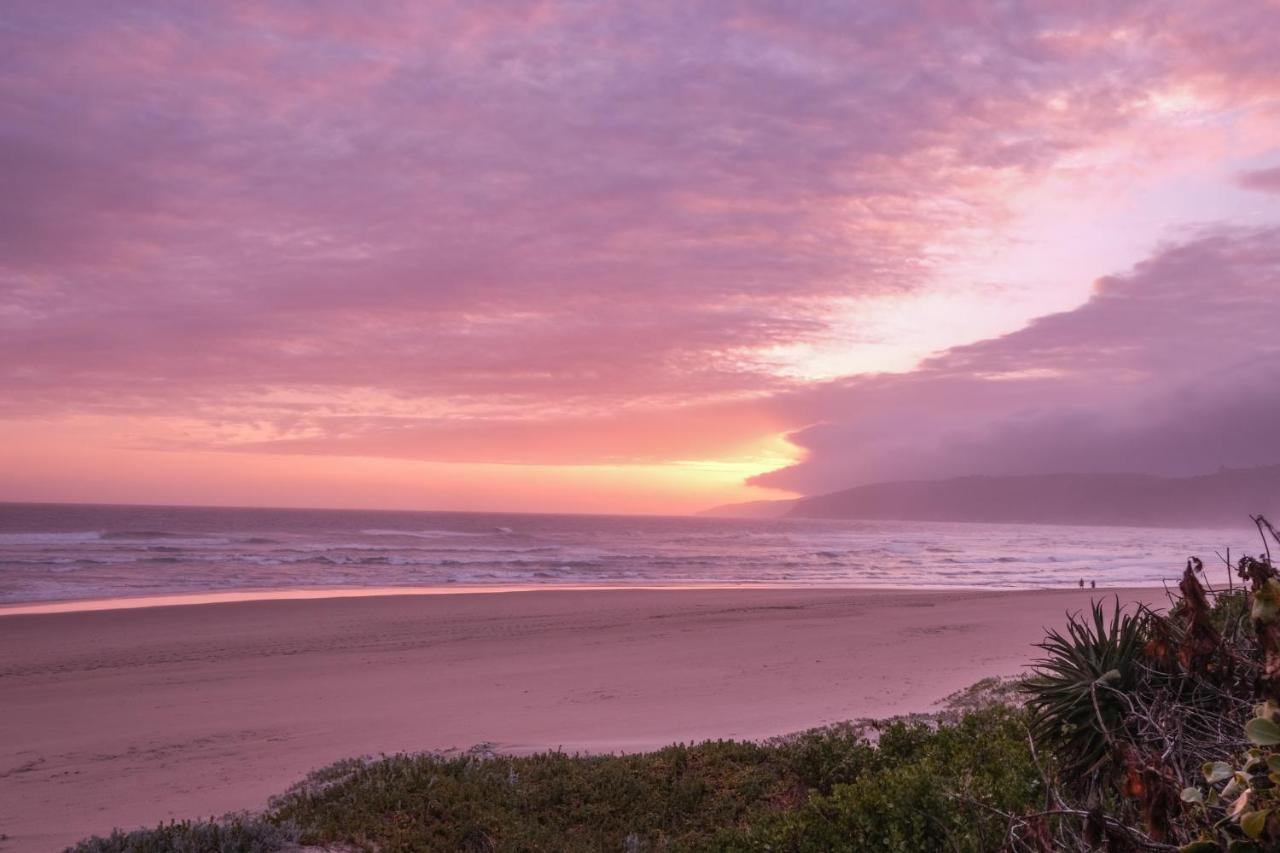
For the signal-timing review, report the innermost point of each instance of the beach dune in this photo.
(128, 717)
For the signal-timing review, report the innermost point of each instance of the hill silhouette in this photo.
(1224, 498)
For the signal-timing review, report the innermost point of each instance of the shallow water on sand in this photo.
(66, 552)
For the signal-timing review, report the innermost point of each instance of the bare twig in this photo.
(1230, 568)
(1138, 840)
(1263, 527)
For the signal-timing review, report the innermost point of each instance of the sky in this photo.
(618, 257)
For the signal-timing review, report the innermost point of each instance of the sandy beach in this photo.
(128, 717)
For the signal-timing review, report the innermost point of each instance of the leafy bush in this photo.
(1238, 808)
(1153, 715)
(551, 801)
(823, 758)
(923, 790)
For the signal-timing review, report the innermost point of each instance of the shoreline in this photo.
(127, 717)
(239, 596)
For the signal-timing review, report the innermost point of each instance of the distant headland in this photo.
(1223, 498)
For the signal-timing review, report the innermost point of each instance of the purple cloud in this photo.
(530, 212)
(1266, 180)
(1173, 368)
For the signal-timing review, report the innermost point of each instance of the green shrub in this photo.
(823, 758)
(926, 790)
(920, 787)
(550, 801)
(233, 835)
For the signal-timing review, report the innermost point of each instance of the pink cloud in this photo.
(527, 213)
(1170, 368)
(1266, 180)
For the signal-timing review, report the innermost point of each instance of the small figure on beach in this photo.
(1093, 584)
(1082, 583)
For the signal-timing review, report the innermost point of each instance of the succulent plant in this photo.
(1074, 692)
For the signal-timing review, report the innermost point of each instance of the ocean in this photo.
(62, 552)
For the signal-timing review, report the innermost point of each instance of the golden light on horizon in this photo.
(117, 473)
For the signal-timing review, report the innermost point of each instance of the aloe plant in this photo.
(1074, 692)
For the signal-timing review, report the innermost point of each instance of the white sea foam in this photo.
(68, 553)
(39, 538)
(424, 534)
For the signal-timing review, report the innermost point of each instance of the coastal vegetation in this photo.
(1139, 730)
(900, 786)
